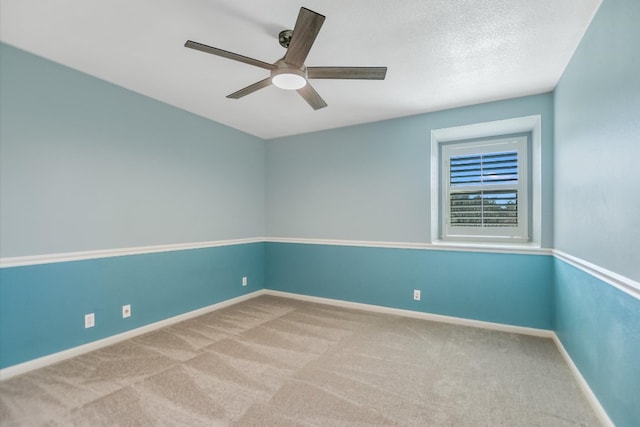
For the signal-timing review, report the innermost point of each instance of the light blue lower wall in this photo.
(512, 289)
(42, 307)
(599, 326)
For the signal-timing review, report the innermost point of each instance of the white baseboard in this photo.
(545, 333)
(50, 359)
(584, 386)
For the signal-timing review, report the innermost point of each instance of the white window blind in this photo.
(485, 194)
(470, 203)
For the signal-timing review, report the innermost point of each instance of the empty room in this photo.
(249, 213)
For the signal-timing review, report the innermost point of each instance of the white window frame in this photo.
(517, 234)
(495, 129)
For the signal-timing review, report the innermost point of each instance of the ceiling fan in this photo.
(290, 72)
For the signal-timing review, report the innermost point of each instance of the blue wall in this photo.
(372, 182)
(597, 208)
(42, 307)
(87, 165)
(599, 327)
(597, 144)
(513, 289)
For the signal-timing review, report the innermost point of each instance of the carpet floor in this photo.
(272, 361)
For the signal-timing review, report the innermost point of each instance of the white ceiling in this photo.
(439, 53)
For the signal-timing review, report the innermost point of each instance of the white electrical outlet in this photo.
(416, 294)
(244, 281)
(89, 320)
(126, 311)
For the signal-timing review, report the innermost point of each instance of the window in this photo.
(484, 190)
(486, 183)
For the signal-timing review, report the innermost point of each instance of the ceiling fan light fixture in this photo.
(288, 79)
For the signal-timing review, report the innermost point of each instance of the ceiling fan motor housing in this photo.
(285, 38)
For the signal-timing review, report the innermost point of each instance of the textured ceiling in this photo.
(439, 53)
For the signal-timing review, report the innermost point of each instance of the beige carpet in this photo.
(279, 362)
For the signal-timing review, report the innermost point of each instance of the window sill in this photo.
(528, 248)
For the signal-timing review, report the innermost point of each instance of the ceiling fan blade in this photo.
(364, 73)
(230, 55)
(312, 97)
(250, 89)
(305, 32)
